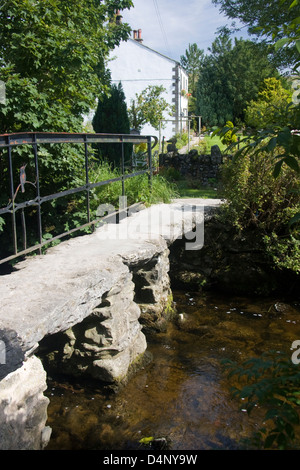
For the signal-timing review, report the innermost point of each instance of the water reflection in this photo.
(183, 393)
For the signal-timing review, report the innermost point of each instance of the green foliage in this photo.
(272, 382)
(271, 107)
(181, 140)
(111, 117)
(255, 199)
(192, 63)
(271, 22)
(230, 77)
(148, 107)
(229, 137)
(52, 60)
(137, 189)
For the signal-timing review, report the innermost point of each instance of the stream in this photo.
(183, 394)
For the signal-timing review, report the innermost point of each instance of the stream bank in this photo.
(230, 262)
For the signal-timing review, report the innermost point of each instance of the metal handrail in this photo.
(9, 141)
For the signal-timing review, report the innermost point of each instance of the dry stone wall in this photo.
(204, 168)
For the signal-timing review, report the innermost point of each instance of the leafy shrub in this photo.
(181, 140)
(137, 189)
(229, 137)
(202, 147)
(255, 199)
(271, 107)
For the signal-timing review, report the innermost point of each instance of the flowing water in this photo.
(183, 394)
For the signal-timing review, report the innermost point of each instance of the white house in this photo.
(137, 66)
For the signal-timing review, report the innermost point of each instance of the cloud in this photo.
(169, 26)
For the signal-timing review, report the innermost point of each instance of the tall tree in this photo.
(111, 117)
(192, 62)
(53, 62)
(266, 20)
(231, 77)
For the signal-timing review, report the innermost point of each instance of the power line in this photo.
(162, 27)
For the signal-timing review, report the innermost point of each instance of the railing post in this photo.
(12, 195)
(150, 162)
(38, 194)
(87, 181)
(24, 229)
(123, 167)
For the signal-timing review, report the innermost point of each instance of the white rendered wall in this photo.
(137, 67)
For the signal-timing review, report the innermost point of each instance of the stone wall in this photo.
(204, 168)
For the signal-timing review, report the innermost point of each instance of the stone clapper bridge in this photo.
(96, 292)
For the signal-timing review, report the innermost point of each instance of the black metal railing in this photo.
(34, 140)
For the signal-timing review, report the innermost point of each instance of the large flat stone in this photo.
(53, 292)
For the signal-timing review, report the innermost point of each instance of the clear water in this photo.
(183, 394)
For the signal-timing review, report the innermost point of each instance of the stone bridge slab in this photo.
(50, 293)
(87, 280)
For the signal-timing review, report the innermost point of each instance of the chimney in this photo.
(139, 39)
(137, 35)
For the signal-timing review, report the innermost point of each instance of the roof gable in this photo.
(138, 44)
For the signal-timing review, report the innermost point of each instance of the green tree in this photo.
(148, 107)
(192, 62)
(271, 107)
(111, 117)
(231, 77)
(53, 63)
(213, 104)
(53, 60)
(268, 21)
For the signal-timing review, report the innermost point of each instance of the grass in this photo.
(215, 140)
(186, 190)
(189, 187)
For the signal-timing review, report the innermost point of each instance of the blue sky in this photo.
(169, 26)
